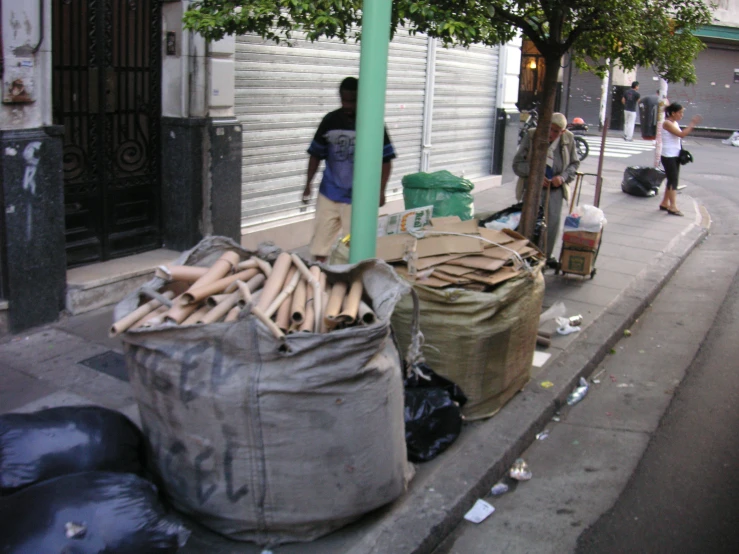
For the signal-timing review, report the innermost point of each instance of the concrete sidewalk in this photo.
(73, 362)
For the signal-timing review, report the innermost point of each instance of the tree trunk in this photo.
(538, 153)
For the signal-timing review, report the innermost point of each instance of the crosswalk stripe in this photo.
(625, 145)
(618, 148)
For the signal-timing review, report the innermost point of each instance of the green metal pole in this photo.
(370, 128)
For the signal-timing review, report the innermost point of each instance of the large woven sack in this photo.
(482, 341)
(273, 440)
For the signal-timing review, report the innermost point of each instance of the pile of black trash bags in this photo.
(433, 413)
(72, 480)
(642, 181)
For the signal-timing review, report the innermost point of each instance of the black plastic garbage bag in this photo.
(642, 181)
(89, 513)
(508, 218)
(59, 441)
(433, 415)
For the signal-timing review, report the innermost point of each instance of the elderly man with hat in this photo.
(562, 165)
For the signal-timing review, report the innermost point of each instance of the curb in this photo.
(419, 522)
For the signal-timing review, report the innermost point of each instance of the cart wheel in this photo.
(592, 274)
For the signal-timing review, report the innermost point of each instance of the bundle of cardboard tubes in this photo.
(287, 297)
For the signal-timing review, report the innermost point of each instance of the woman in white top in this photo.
(672, 136)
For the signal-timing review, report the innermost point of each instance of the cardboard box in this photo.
(580, 262)
(582, 239)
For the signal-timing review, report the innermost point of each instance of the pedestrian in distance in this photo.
(672, 136)
(562, 165)
(334, 143)
(649, 110)
(630, 100)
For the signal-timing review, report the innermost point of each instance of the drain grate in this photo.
(110, 362)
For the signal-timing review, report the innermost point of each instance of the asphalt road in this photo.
(682, 496)
(647, 462)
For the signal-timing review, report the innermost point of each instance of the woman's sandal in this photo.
(675, 212)
(661, 207)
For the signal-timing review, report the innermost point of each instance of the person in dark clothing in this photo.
(334, 143)
(649, 113)
(630, 100)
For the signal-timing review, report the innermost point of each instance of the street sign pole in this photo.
(370, 128)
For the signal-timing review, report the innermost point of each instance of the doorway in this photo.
(106, 93)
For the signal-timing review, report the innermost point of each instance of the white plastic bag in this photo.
(733, 139)
(587, 218)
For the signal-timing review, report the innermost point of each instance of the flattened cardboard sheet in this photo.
(392, 248)
(477, 262)
(430, 261)
(451, 279)
(468, 227)
(457, 270)
(447, 244)
(505, 253)
(430, 281)
(496, 236)
(503, 274)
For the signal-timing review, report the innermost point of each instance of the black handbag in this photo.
(684, 157)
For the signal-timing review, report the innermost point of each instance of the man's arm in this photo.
(313, 163)
(386, 168)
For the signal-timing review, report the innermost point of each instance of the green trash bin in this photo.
(447, 193)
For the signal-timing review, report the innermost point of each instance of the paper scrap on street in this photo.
(540, 358)
(479, 512)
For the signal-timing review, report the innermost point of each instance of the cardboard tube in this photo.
(308, 320)
(275, 281)
(223, 307)
(365, 315)
(244, 290)
(222, 267)
(233, 314)
(197, 315)
(126, 322)
(308, 323)
(187, 273)
(350, 307)
(312, 275)
(214, 300)
(297, 306)
(154, 295)
(196, 294)
(264, 266)
(254, 283)
(247, 264)
(259, 314)
(282, 317)
(338, 292)
(291, 282)
(154, 318)
(325, 295)
(180, 311)
(294, 328)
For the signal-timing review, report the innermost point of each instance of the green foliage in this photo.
(595, 33)
(629, 33)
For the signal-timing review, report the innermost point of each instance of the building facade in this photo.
(715, 95)
(122, 133)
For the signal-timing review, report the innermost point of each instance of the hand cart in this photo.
(579, 249)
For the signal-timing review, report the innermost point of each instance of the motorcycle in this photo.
(578, 127)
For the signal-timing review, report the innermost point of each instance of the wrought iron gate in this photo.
(106, 93)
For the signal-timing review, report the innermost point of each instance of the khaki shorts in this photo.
(331, 217)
